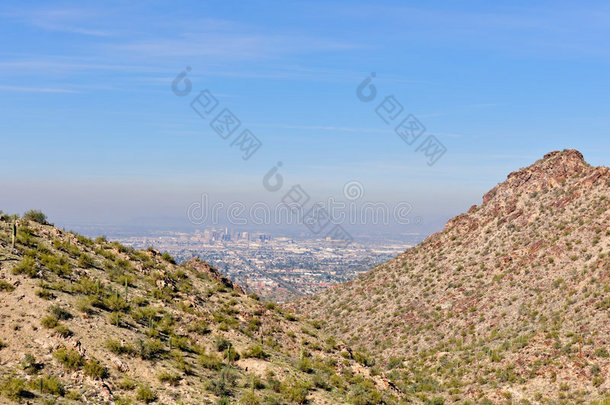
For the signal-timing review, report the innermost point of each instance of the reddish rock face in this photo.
(552, 170)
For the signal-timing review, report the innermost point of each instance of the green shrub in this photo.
(84, 305)
(6, 286)
(115, 346)
(25, 236)
(601, 352)
(256, 351)
(63, 330)
(222, 344)
(127, 384)
(85, 261)
(59, 265)
(210, 361)
(26, 266)
(223, 385)
(146, 394)
(320, 380)
(363, 359)
(364, 393)
(49, 321)
(168, 258)
(305, 365)
(294, 390)
(30, 365)
(115, 303)
(249, 398)
(150, 349)
(50, 385)
(36, 216)
(14, 388)
(170, 378)
(45, 294)
(59, 313)
(69, 358)
(95, 369)
(200, 326)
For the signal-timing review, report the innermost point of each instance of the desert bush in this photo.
(305, 365)
(25, 236)
(6, 286)
(69, 358)
(200, 326)
(30, 365)
(146, 394)
(364, 393)
(294, 390)
(150, 349)
(85, 261)
(222, 344)
(95, 369)
(168, 377)
(84, 305)
(36, 216)
(223, 385)
(26, 266)
(255, 351)
(115, 346)
(63, 330)
(60, 313)
(180, 343)
(49, 321)
(249, 398)
(210, 361)
(50, 385)
(601, 352)
(14, 388)
(45, 294)
(168, 258)
(58, 264)
(115, 303)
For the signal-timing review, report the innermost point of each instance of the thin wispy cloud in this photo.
(36, 89)
(67, 20)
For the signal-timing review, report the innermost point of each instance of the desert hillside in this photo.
(92, 321)
(509, 303)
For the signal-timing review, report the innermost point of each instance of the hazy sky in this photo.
(92, 132)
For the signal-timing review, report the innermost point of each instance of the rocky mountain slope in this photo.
(92, 321)
(509, 303)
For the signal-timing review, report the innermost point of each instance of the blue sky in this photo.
(91, 132)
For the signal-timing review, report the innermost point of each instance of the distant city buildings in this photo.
(278, 268)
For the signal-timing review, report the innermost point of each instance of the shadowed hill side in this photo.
(509, 302)
(92, 321)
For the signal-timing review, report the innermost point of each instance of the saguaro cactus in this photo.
(14, 233)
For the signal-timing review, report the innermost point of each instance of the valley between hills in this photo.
(509, 303)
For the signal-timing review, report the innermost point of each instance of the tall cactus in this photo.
(14, 233)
